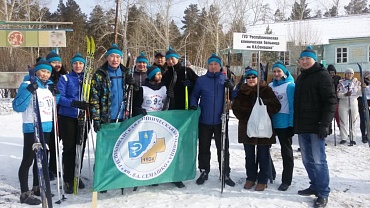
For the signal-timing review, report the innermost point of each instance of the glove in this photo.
(228, 84)
(80, 104)
(323, 132)
(144, 112)
(290, 131)
(349, 93)
(53, 89)
(32, 87)
(130, 80)
(96, 126)
(193, 107)
(186, 83)
(170, 93)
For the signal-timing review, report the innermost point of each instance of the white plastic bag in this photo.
(259, 123)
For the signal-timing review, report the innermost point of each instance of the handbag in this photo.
(259, 123)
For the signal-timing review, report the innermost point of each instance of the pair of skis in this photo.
(82, 114)
(365, 105)
(39, 147)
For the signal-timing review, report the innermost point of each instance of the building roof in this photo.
(318, 31)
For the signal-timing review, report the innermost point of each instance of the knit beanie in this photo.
(152, 71)
(308, 52)
(280, 65)
(366, 74)
(114, 49)
(331, 68)
(142, 58)
(250, 71)
(53, 56)
(214, 58)
(171, 53)
(42, 64)
(78, 57)
(349, 71)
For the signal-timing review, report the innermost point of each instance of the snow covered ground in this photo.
(349, 179)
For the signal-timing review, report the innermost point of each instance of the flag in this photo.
(157, 148)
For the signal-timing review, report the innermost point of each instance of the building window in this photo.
(284, 57)
(341, 55)
(369, 53)
(254, 61)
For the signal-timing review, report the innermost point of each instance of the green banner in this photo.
(157, 148)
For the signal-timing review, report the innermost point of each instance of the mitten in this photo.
(32, 87)
(228, 84)
(80, 104)
(323, 132)
(186, 83)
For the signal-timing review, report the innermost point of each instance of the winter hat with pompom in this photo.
(42, 64)
(53, 56)
(142, 58)
(214, 58)
(171, 53)
(308, 52)
(114, 49)
(152, 71)
(78, 57)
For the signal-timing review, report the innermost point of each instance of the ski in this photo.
(82, 114)
(365, 105)
(166, 103)
(39, 147)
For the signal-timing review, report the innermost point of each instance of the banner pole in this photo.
(94, 199)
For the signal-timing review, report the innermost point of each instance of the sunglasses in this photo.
(252, 77)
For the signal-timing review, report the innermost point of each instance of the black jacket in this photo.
(314, 100)
(178, 103)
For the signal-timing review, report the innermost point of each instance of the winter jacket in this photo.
(163, 67)
(70, 89)
(211, 91)
(314, 100)
(242, 109)
(23, 103)
(100, 93)
(178, 102)
(55, 75)
(284, 118)
(159, 94)
(140, 77)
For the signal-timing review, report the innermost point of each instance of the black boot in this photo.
(68, 187)
(203, 177)
(283, 187)
(228, 181)
(364, 139)
(28, 198)
(81, 184)
(179, 184)
(307, 192)
(320, 202)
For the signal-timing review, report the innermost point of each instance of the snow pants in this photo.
(347, 106)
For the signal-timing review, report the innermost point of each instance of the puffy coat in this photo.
(211, 91)
(70, 89)
(314, 100)
(242, 109)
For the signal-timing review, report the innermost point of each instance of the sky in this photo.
(349, 178)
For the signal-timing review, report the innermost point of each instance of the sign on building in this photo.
(265, 42)
(32, 38)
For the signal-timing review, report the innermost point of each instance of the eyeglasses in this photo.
(252, 77)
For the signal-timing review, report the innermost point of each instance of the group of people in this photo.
(305, 107)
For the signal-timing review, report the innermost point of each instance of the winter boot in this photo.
(203, 177)
(228, 181)
(37, 192)
(364, 139)
(351, 143)
(249, 185)
(343, 141)
(307, 192)
(283, 187)
(68, 187)
(260, 187)
(179, 184)
(81, 184)
(320, 202)
(28, 198)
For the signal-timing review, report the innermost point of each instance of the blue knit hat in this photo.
(53, 56)
(308, 52)
(78, 57)
(142, 58)
(171, 53)
(42, 64)
(152, 71)
(249, 71)
(214, 58)
(114, 49)
(280, 65)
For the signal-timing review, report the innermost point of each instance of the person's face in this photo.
(114, 60)
(57, 65)
(141, 66)
(172, 61)
(251, 80)
(43, 74)
(306, 62)
(78, 66)
(277, 73)
(214, 67)
(332, 73)
(348, 76)
(159, 60)
(157, 78)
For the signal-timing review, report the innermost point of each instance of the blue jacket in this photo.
(284, 120)
(70, 89)
(211, 91)
(23, 103)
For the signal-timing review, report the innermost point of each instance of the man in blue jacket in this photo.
(210, 89)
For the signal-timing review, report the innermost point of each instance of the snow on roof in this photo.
(318, 31)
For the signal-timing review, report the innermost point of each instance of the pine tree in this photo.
(333, 12)
(357, 7)
(300, 11)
